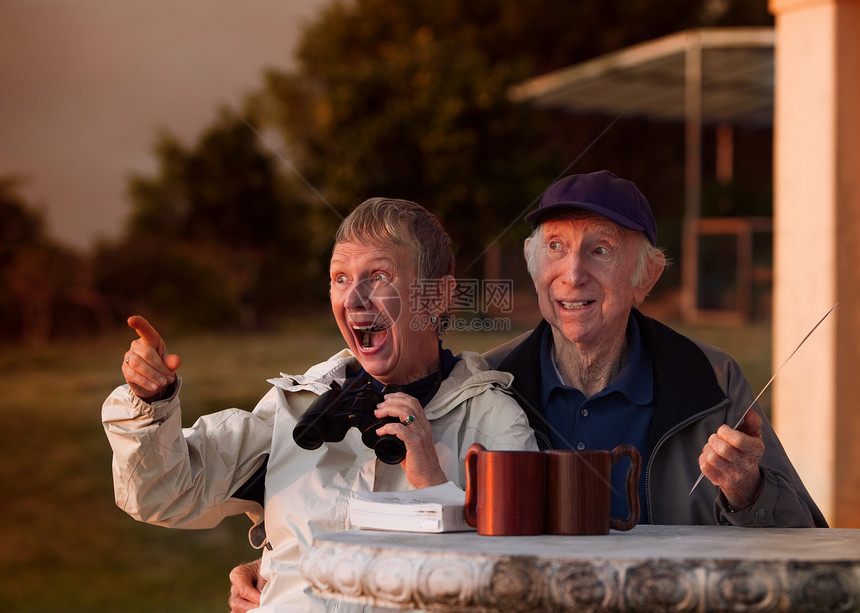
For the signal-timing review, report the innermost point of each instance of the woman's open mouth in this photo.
(371, 335)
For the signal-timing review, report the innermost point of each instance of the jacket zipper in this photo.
(663, 439)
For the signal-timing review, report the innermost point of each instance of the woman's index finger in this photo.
(146, 332)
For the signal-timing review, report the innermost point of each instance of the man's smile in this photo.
(574, 305)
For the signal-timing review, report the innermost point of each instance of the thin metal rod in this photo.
(767, 385)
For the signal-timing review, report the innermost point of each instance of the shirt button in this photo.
(584, 412)
(761, 514)
(580, 446)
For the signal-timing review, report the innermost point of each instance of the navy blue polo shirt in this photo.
(620, 413)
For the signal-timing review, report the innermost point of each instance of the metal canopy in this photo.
(732, 69)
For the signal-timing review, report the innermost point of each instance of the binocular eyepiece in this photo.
(339, 409)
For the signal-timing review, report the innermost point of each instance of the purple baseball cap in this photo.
(619, 200)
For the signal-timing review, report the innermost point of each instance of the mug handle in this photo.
(632, 486)
(470, 509)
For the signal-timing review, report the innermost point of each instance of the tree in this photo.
(402, 99)
(399, 99)
(20, 223)
(36, 273)
(409, 99)
(216, 236)
(224, 190)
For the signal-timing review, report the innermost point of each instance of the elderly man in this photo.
(596, 373)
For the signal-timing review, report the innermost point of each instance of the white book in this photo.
(430, 509)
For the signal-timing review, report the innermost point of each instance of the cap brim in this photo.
(541, 214)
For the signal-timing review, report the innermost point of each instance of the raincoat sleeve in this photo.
(504, 424)
(183, 478)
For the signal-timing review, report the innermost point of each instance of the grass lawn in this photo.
(67, 548)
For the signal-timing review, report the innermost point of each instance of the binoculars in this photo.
(342, 408)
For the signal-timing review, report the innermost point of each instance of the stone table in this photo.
(650, 568)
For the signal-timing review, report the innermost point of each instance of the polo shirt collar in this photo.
(635, 381)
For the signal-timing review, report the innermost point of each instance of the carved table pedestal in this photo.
(650, 568)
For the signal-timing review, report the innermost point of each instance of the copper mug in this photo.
(579, 490)
(504, 491)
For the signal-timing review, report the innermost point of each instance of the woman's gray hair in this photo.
(381, 222)
(646, 252)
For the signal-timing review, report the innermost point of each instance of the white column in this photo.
(817, 247)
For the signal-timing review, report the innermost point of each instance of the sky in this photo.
(86, 85)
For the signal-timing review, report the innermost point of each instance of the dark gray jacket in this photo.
(697, 388)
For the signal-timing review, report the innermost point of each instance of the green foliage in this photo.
(167, 281)
(37, 275)
(400, 100)
(224, 190)
(216, 237)
(558, 33)
(20, 223)
(409, 99)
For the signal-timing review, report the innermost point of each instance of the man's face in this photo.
(370, 299)
(584, 278)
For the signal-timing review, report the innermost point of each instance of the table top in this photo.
(664, 568)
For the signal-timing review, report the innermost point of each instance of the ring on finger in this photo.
(409, 419)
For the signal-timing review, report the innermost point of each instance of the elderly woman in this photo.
(386, 253)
